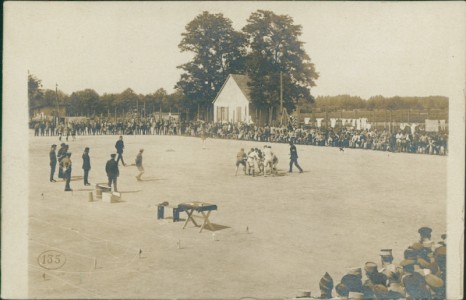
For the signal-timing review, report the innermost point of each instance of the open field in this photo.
(338, 214)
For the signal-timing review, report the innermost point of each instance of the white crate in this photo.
(111, 197)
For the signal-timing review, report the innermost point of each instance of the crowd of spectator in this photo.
(420, 275)
(404, 140)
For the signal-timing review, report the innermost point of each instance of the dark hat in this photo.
(62, 144)
(386, 252)
(342, 290)
(326, 284)
(380, 291)
(68, 153)
(86, 149)
(355, 271)
(54, 145)
(444, 236)
(112, 155)
(424, 231)
(407, 262)
(378, 278)
(353, 282)
(410, 253)
(370, 267)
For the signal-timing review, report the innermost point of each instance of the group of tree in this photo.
(348, 102)
(267, 49)
(89, 103)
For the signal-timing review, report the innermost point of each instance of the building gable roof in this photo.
(242, 82)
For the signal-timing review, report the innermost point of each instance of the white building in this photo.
(232, 103)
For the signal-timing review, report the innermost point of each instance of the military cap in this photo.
(386, 252)
(353, 282)
(378, 278)
(424, 231)
(342, 290)
(410, 253)
(407, 262)
(326, 283)
(355, 271)
(380, 291)
(370, 267)
(397, 288)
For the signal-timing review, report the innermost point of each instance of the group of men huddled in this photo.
(257, 161)
(420, 275)
(63, 158)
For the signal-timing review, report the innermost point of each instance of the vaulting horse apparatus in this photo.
(201, 208)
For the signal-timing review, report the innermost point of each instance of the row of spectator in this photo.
(383, 140)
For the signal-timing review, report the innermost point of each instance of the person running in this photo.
(139, 164)
(111, 168)
(53, 162)
(120, 145)
(294, 158)
(241, 158)
(66, 164)
(86, 165)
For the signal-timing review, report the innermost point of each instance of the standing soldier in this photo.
(53, 162)
(86, 165)
(66, 163)
(112, 172)
(60, 156)
(120, 145)
(294, 158)
(139, 164)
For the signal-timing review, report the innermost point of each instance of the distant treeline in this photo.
(348, 102)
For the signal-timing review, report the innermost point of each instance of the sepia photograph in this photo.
(233, 150)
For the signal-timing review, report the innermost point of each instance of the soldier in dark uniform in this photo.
(294, 158)
(120, 145)
(66, 164)
(53, 162)
(112, 172)
(86, 165)
(60, 156)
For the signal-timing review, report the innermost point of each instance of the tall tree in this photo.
(84, 103)
(35, 92)
(276, 48)
(218, 51)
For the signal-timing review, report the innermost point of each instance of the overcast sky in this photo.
(362, 49)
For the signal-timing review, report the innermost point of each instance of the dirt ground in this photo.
(274, 235)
